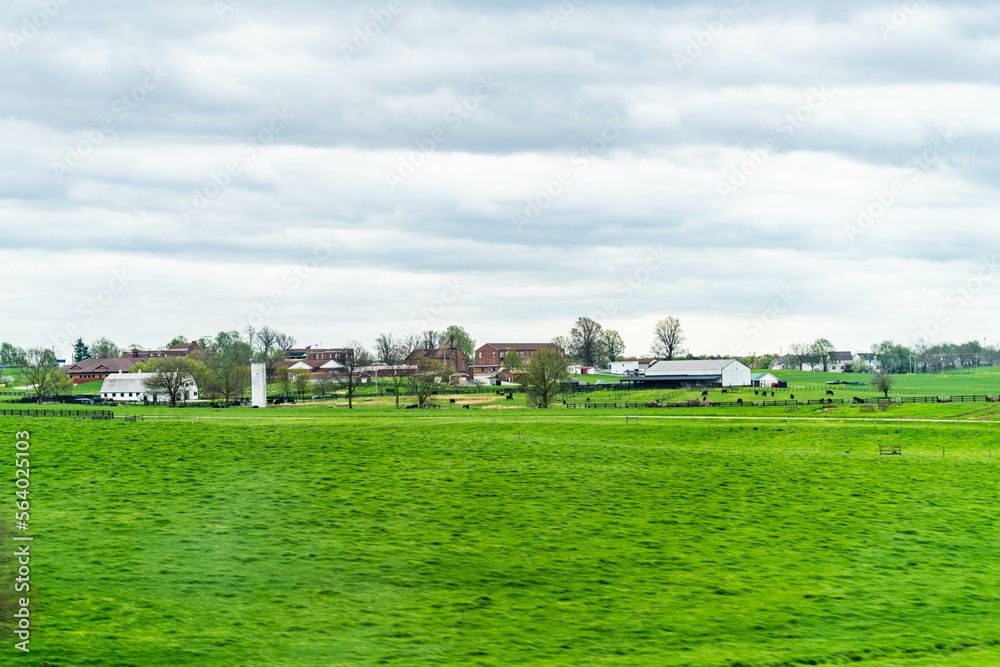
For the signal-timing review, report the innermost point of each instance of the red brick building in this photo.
(90, 370)
(453, 358)
(490, 357)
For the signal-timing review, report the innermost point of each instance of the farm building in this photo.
(696, 372)
(763, 380)
(90, 370)
(130, 387)
(490, 357)
(621, 367)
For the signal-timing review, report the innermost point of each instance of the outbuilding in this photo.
(764, 380)
(131, 388)
(695, 373)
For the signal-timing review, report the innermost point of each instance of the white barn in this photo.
(130, 387)
(724, 372)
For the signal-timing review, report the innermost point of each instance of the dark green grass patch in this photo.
(472, 544)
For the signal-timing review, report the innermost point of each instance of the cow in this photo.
(829, 392)
(451, 400)
(792, 397)
(858, 400)
(725, 391)
(466, 407)
(756, 392)
(510, 397)
(704, 393)
(772, 393)
(739, 401)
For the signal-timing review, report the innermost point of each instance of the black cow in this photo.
(792, 397)
(772, 393)
(704, 393)
(829, 392)
(466, 407)
(510, 397)
(755, 392)
(451, 400)
(858, 400)
(724, 391)
(739, 401)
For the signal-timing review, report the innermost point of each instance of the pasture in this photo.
(383, 537)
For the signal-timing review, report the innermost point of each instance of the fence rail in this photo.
(868, 400)
(75, 414)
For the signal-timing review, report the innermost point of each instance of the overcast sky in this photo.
(767, 172)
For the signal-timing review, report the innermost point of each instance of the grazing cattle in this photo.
(588, 398)
(704, 393)
(412, 407)
(755, 392)
(858, 400)
(451, 400)
(724, 391)
(466, 407)
(792, 397)
(829, 392)
(772, 393)
(739, 401)
(510, 397)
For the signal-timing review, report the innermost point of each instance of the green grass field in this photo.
(384, 537)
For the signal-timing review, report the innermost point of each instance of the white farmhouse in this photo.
(131, 387)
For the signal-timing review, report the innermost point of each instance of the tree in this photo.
(614, 346)
(269, 346)
(392, 353)
(11, 355)
(821, 351)
(883, 381)
(456, 336)
(423, 382)
(668, 338)
(585, 341)
(410, 342)
(511, 360)
(283, 375)
(800, 352)
(563, 342)
(103, 348)
(546, 375)
(170, 376)
(764, 361)
(40, 370)
(176, 340)
(357, 358)
(386, 349)
(326, 384)
(432, 340)
(227, 359)
(80, 351)
(300, 380)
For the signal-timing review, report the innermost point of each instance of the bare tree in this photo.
(668, 338)
(883, 381)
(356, 359)
(326, 384)
(283, 375)
(392, 353)
(800, 352)
(410, 342)
(424, 381)
(170, 377)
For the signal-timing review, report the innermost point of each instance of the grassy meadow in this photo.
(320, 536)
